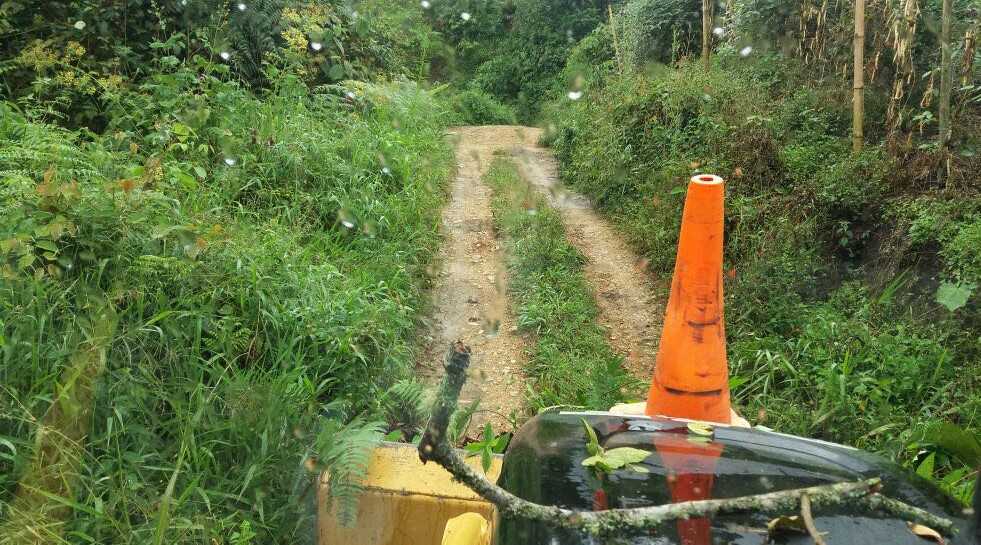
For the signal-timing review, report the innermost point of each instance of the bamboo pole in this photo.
(858, 100)
(616, 43)
(946, 74)
(706, 31)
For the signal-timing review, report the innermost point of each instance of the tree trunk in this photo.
(859, 87)
(706, 31)
(946, 74)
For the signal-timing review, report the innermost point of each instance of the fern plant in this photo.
(343, 452)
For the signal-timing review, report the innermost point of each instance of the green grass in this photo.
(265, 258)
(570, 363)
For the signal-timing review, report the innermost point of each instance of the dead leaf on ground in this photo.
(925, 532)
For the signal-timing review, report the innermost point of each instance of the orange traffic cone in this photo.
(690, 378)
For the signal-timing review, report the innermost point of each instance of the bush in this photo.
(473, 106)
(659, 31)
(261, 265)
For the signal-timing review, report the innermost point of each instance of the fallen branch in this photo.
(434, 447)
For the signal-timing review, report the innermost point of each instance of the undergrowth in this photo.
(571, 363)
(264, 258)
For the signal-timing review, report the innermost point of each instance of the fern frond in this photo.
(345, 451)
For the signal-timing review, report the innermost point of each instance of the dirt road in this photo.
(470, 298)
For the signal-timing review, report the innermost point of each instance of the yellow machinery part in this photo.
(407, 503)
(467, 529)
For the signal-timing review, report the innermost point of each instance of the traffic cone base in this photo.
(711, 406)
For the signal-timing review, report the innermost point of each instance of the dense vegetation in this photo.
(851, 307)
(210, 271)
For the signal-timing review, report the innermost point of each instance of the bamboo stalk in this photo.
(858, 100)
(616, 43)
(706, 32)
(946, 75)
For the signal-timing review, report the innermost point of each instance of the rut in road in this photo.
(470, 296)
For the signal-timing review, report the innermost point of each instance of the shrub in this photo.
(263, 264)
(473, 106)
(659, 31)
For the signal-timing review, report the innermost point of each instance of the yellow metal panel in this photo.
(405, 502)
(467, 529)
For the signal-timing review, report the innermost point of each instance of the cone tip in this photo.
(706, 179)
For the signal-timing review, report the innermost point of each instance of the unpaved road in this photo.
(470, 298)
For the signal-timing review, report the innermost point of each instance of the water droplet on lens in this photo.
(316, 46)
(575, 95)
(744, 52)
(465, 16)
(386, 170)
(351, 95)
(532, 212)
(425, 4)
(183, 2)
(491, 328)
(225, 55)
(231, 160)
(717, 31)
(345, 218)
(241, 7)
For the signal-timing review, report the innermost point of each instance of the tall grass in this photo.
(265, 259)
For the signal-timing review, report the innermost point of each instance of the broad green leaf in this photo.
(956, 441)
(46, 245)
(186, 180)
(485, 460)
(954, 296)
(488, 434)
(701, 428)
(200, 172)
(925, 469)
(619, 457)
(591, 461)
(592, 444)
(501, 443)
(735, 382)
(336, 72)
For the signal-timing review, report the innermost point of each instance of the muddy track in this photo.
(470, 298)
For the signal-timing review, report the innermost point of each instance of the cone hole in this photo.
(706, 179)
